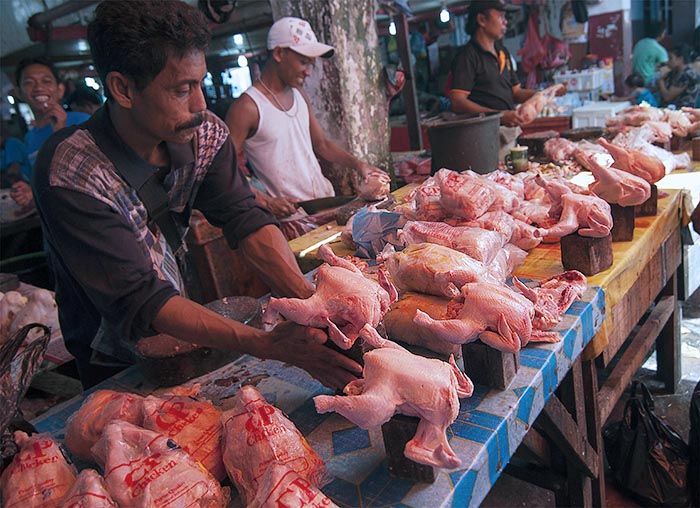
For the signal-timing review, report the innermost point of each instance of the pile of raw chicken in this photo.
(17, 311)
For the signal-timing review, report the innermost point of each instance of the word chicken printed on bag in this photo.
(257, 436)
(281, 487)
(39, 475)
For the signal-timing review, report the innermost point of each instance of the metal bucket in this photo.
(461, 142)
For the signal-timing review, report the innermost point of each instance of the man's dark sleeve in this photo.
(464, 71)
(100, 251)
(226, 200)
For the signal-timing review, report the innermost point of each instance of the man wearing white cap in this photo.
(272, 122)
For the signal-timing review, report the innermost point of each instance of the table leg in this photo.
(668, 347)
(594, 427)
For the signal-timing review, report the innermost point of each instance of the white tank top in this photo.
(281, 152)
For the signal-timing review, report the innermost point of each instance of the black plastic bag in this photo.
(649, 460)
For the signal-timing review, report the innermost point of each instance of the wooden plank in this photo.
(534, 448)
(668, 344)
(594, 427)
(561, 428)
(629, 310)
(542, 477)
(634, 356)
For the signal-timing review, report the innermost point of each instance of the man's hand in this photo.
(280, 207)
(693, 113)
(304, 347)
(56, 114)
(511, 118)
(563, 88)
(21, 193)
(368, 171)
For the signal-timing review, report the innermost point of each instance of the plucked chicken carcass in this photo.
(38, 476)
(635, 162)
(85, 427)
(480, 244)
(40, 308)
(344, 302)
(144, 469)
(10, 305)
(532, 107)
(396, 381)
(496, 314)
(553, 297)
(193, 424)
(559, 149)
(516, 231)
(282, 487)
(433, 269)
(424, 202)
(616, 186)
(257, 436)
(88, 491)
(589, 215)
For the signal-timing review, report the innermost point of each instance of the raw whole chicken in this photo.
(88, 491)
(374, 187)
(344, 302)
(480, 244)
(464, 195)
(506, 261)
(38, 476)
(589, 215)
(516, 231)
(193, 424)
(616, 186)
(257, 436)
(559, 149)
(679, 121)
(532, 107)
(424, 202)
(10, 306)
(635, 162)
(396, 381)
(553, 297)
(282, 487)
(144, 469)
(496, 314)
(40, 308)
(433, 269)
(85, 427)
(514, 183)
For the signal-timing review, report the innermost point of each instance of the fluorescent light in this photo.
(92, 83)
(242, 61)
(392, 28)
(11, 99)
(238, 39)
(444, 15)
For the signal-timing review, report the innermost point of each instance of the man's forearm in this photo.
(520, 95)
(268, 252)
(461, 104)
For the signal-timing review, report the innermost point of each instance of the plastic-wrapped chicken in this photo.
(39, 475)
(88, 491)
(144, 469)
(193, 424)
(282, 486)
(257, 436)
(84, 428)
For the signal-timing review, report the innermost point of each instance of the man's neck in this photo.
(486, 42)
(272, 82)
(149, 149)
(41, 119)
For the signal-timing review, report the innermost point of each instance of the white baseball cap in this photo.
(296, 34)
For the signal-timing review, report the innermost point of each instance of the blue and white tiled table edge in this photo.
(490, 425)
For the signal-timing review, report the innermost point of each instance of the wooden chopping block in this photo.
(585, 254)
(650, 207)
(398, 431)
(489, 367)
(623, 223)
(398, 323)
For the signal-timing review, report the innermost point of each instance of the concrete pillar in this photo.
(347, 90)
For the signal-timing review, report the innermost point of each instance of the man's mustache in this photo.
(195, 122)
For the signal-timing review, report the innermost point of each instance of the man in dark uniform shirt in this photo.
(483, 77)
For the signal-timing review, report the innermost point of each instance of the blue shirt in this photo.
(645, 95)
(36, 137)
(15, 151)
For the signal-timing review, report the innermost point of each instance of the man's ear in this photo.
(61, 90)
(277, 53)
(121, 88)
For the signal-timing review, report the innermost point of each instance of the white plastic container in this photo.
(595, 114)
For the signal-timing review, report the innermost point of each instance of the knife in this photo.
(316, 205)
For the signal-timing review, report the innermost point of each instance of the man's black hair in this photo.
(135, 38)
(37, 60)
(634, 80)
(84, 96)
(682, 51)
(656, 29)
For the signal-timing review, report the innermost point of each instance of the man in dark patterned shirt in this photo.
(116, 276)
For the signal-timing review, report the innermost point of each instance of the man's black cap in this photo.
(479, 6)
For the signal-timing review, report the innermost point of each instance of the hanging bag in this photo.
(649, 460)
